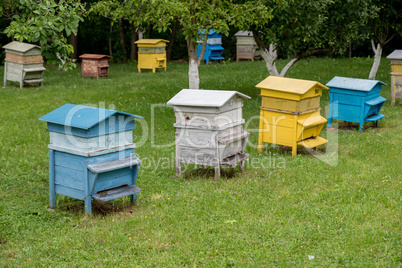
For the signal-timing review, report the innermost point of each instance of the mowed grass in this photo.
(341, 209)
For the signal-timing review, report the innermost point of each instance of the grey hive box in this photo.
(396, 75)
(23, 63)
(209, 128)
(246, 47)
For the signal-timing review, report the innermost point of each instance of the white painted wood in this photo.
(214, 41)
(209, 120)
(204, 98)
(86, 146)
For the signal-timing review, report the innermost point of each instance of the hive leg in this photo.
(241, 166)
(88, 205)
(294, 150)
(260, 134)
(329, 122)
(217, 172)
(52, 185)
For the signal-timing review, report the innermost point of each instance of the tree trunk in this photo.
(270, 55)
(171, 41)
(350, 49)
(123, 40)
(193, 76)
(134, 49)
(149, 32)
(74, 43)
(288, 65)
(110, 38)
(377, 59)
(204, 46)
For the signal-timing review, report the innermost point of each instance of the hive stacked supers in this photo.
(290, 113)
(94, 65)
(396, 75)
(91, 154)
(23, 63)
(214, 49)
(209, 128)
(246, 47)
(151, 54)
(355, 100)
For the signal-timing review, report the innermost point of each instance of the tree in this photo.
(383, 28)
(195, 15)
(47, 23)
(302, 28)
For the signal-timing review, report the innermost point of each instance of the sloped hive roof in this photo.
(94, 56)
(244, 33)
(353, 83)
(204, 98)
(395, 55)
(150, 41)
(20, 47)
(78, 116)
(289, 85)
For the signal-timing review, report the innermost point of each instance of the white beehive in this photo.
(209, 128)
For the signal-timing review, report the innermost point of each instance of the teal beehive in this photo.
(355, 100)
(91, 154)
(214, 49)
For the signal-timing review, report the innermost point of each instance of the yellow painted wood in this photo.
(291, 106)
(148, 58)
(396, 68)
(290, 113)
(289, 88)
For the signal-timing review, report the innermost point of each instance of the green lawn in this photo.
(344, 211)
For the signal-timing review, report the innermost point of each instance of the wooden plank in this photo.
(112, 180)
(114, 164)
(20, 59)
(234, 160)
(116, 193)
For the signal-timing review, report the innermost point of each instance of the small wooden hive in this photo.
(214, 48)
(91, 154)
(94, 65)
(396, 75)
(246, 47)
(290, 113)
(151, 54)
(23, 63)
(209, 128)
(355, 100)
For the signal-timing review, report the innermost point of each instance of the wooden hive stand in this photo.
(23, 64)
(396, 75)
(290, 113)
(151, 54)
(94, 65)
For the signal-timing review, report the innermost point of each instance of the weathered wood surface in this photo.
(151, 54)
(94, 65)
(396, 75)
(21, 59)
(91, 151)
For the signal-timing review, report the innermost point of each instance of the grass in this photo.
(277, 213)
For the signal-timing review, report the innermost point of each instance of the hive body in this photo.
(246, 47)
(355, 100)
(290, 113)
(396, 75)
(151, 54)
(91, 154)
(214, 49)
(23, 63)
(209, 128)
(94, 65)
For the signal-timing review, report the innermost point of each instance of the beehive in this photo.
(209, 128)
(91, 154)
(396, 75)
(23, 63)
(151, 54)
(246, 47)
(290, 113)
(355, 100)
(94, 65)
(214, 49)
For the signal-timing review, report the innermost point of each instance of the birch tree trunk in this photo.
(270, 55)
(377, 59)
(193, 76)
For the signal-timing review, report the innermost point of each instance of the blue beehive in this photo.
(91, 154)
(355, 100)
(214, 48)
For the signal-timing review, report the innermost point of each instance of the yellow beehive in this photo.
(396, 75)
(290, 113)
(151, 54)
